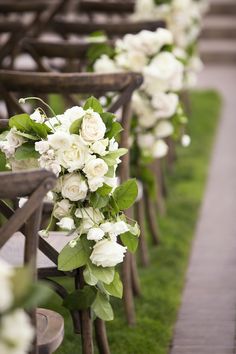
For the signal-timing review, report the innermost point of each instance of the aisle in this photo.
(206, 321)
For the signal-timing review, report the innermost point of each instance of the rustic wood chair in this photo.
(43, 12)
(34, 184)
(44, 83)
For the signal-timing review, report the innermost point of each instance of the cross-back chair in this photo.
(33, 184)
(79, 83)
(43, 12)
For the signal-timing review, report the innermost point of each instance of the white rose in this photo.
(164, 73)
(74, 113)
(165, 104)
(93, 127)
(133, 60)
(62, 208)
(107, 253)
(59, 140)
(163, 129)
(95, 183)
(144, 9)
(142, 108)
(95, 168)
(111, 181)
(37, 116)
(145, 140)
(6, 293)
(120, 227)
(66, 223)
(42, 146)
(99, 147)
(105, 65)
(16, 333)
(74, 187)
(74, 156)
(95, 233)
(7, 149)
(113, 145)
(89, 216)
(160, 149)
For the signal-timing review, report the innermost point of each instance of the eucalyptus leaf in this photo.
(93, 103)
(126, 194)
(115, 288)
(80, 299)
(102, 308)
(26, 151)
(72, 258)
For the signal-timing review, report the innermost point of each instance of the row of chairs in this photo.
(14, 84)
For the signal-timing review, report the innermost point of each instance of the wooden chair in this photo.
(34, 184)
(44, 83)
(43, 12)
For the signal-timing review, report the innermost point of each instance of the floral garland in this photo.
(184, 20)
(156, 104)
(16, 330)
(79, 146)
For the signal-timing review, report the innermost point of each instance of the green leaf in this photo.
(97, 49)
(80, 299)
(93, 103)
(108, 119)
(126, 194)
(110, 158)
(130, 241)
(21, 122)
(28, 136)
(102, 308)
(72, 258)
(99, 201)
(40, 129)
(115, 288)
(114, 205)
(3, 162)
(104, 190)
(115, 130)
(106, 275)
(3, 135)
(89, 276)
(26, 151)
(75, 126)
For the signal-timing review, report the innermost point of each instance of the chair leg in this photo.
(152, 218)
(101, 336)
(135, 277)
(140, 216)
(85, 320)
(128, 291)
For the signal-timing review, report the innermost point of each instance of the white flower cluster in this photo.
(16, 331)
(184, 20)
(163, 74)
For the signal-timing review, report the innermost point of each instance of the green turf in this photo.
(163, 280)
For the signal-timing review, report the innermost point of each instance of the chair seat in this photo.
(50, 330)
(12, 250)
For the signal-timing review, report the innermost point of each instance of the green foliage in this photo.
(116, 128)
(102, 308)
(72, 258)
(130, 241)
(2, 162)
(26, 151)
(97, 49)
(25, 124)
(93, 103)
(126, 194)
(105, 275)
(111, 157)
(115, 288)
(99, 201)
(75, 126)
(80, 299)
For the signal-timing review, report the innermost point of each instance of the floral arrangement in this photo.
(17, 292)
(156, 104)
(80, 147)
(184, 20)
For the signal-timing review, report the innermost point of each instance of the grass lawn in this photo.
(162, 282)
